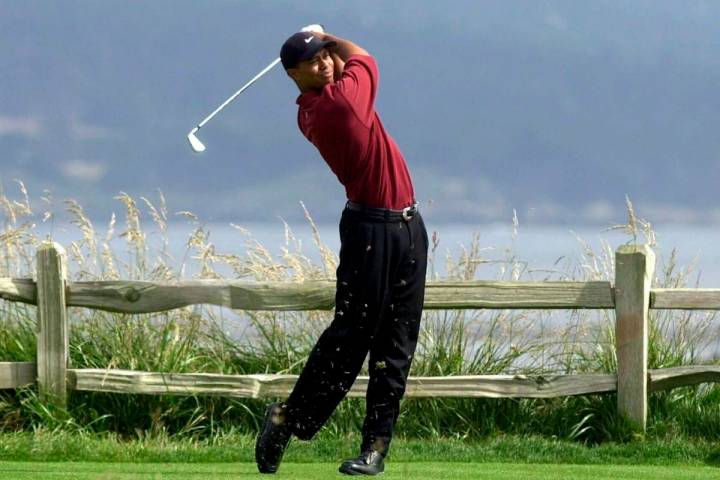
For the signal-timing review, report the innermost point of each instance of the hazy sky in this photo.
(556, 109)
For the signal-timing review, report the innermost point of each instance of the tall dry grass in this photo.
(210, 339)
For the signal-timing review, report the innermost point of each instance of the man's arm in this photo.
(339, 65)
(344, 48)
(358, 84)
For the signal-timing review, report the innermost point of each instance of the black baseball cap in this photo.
(301, 46)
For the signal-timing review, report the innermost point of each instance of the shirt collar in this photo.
(304, 99)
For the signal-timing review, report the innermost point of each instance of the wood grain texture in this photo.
(52, 339)
(634, 268)
(125, 296)
(685, 298)
(17, 374)
(146, 297)
(529, 295)
(261, 386)
(18, 290)
(669, 378)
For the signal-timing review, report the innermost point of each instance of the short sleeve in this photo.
(358, 85)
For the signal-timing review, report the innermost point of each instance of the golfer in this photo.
(383, 256)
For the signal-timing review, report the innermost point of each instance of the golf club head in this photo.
(195, 144)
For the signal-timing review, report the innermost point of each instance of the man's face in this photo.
(315, 73)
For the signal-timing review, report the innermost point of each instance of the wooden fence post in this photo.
(634, 268)
(52, 340)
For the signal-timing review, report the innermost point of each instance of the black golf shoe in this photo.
(369, 462)
(272, 439)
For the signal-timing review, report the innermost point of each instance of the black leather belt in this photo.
(406, 213)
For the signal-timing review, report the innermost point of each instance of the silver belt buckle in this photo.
(406, 212)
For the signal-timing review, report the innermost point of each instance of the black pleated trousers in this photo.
(378, 306)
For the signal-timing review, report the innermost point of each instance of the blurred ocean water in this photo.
(541, 250)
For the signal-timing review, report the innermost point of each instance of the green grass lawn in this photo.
(399, 470)
(45, 446)
(65, 455)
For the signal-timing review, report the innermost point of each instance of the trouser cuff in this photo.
(379, 444)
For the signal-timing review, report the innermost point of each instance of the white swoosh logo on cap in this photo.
(309, 39)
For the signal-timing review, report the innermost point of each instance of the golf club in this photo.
(195, 143)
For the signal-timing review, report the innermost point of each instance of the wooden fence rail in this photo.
(23, 374)
(631, 297)
(150, 297)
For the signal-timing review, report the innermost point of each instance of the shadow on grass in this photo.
(714, 458)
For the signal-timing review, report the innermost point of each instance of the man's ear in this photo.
(292, 73)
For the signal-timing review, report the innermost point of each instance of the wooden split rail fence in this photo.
(631, 297)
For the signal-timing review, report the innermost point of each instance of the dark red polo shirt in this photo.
(342, 123)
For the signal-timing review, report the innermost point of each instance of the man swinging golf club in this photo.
(383, 255)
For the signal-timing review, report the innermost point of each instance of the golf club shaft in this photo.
(242, 89)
